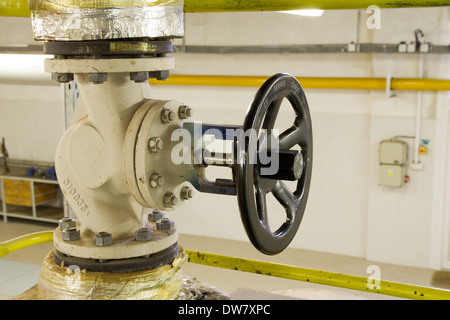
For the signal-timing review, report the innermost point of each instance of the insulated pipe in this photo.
(310, 82)
(19, 8)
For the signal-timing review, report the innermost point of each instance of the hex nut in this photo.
(185, 112)
(165, 224)
(66, 223)
(159, 75)
(156, 180)
(167, 115)
(155, 144)
(186, 193)
(139, 77)
(170, 200)
(97, 78)
(71, 234)
(62, 77)
(103, 239)
(155, 216)
(144, 235)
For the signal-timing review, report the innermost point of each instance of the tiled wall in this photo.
(31, 120)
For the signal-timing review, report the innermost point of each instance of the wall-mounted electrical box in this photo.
(393, 155)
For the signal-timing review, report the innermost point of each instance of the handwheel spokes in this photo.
(293, 136)
(285, 197)
(261, 203)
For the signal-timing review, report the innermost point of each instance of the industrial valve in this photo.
(170, 157)
(126, 154)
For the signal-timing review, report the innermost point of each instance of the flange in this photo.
(108, 48)
(115, 65)
(147, 262)
(154, 177)
(85, 246)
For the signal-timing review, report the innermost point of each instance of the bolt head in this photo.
(159, 75)
(97, 78)
(103, 239)
(170, 200)
(165, 224)
(155, 144)
(167, 115)
(185, 112)
(156, 180)
(155, 216)
(186, 193)
(139, 77)
(71, 234)
(66, 223)
(62, 77)
(144, 235)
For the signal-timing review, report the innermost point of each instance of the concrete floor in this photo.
(19, 270)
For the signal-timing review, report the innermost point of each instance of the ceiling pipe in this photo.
(19, 8)
(412, 84)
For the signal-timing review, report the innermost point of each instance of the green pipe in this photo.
(19, 8)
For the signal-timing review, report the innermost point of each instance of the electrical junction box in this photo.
(392, 175)
(393, 155)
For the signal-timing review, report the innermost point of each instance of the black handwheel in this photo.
(253, 187)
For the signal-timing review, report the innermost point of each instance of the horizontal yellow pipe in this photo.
(310, 82)
(19, 8)
(25, 241)
(317, 276)
(282, 5)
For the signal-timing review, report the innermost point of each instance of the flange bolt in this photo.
(155, 216)
(185, 112)
(155, 144)
(167, 115)
(144, 235)
(156, 180)
(71, 234)
(165, 224)
(103, 239)
(186, 193)
(170, 200)
(66, 223)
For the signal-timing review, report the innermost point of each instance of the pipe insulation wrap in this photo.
(68, 20)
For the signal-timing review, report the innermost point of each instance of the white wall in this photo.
(348, 212)
(31, 120)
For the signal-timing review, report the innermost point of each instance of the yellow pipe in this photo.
(19, 8)
(271, 269)
(319, 277)
(25, 241)
(310, 82)
(282, 5)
